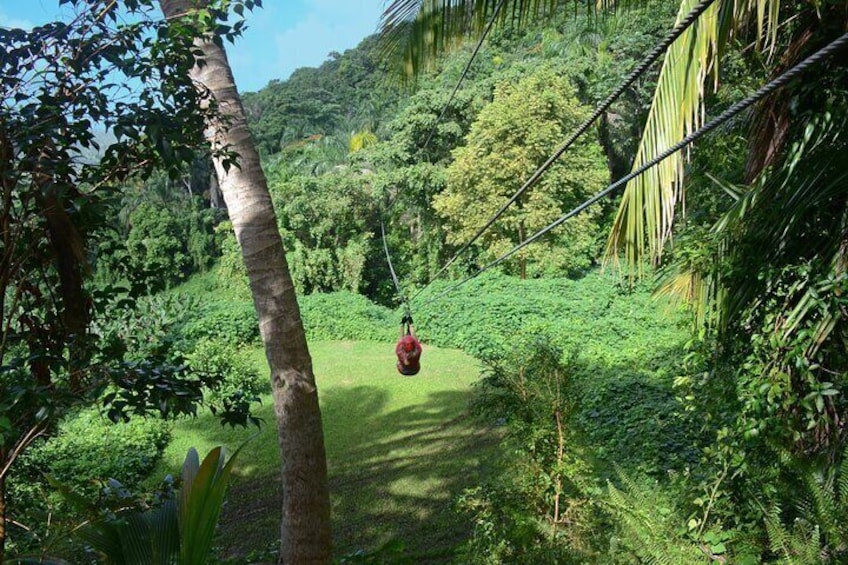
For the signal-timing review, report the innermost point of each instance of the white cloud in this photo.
(9, 22)
(282, 38)
(329, 26)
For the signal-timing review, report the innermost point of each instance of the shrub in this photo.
(233, 322)
(520, 516)
(150, 327)
(86, 451)
(345, 315)
(89, 447)
(597, 317)
(239, 377)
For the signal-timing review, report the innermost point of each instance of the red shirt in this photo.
(408, 352)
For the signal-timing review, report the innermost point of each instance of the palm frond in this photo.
(201, 499)
(414, 33)
(693, 286)
(799, 211)
(646, 214)
(801, 220)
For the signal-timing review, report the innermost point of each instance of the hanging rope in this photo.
(404, 302)
(408, 348)
(735, 109)
(646, 63)
(464, 72)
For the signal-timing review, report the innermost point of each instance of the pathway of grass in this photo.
(400, 450)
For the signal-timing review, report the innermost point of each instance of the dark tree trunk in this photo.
(216, 199)
(2, 509)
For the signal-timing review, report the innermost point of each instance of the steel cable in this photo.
(649, 60)
(735, 109)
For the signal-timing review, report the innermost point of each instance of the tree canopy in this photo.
(519, 129)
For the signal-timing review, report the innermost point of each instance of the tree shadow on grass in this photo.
(403, 482)
(393, 476)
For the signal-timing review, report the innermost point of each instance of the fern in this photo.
(819, 532)
(649, 525)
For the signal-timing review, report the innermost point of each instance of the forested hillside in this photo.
(350, 137)
(660, 379)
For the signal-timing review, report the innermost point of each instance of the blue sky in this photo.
(282, 36)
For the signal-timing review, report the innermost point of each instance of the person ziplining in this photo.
(408, 348)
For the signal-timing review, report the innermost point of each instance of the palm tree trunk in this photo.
(305, 535)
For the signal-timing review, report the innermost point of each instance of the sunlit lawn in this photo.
(400, 450)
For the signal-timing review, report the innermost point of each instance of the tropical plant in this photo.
(813, 531)
(239, 378)
(520, 127)
(650, 527)
(305, 531)
(176, 528)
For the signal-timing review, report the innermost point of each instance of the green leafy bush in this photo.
(580, 373)
(238, 374)
(631, 416)
(230, 321)
(326, 316)
(86, 451)
(89, 448)
(596, 316)
(345, 315)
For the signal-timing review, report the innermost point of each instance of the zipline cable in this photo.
(391, 204)
(649, 60)
(778, 82)
(464, 72)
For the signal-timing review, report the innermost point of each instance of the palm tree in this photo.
(305, 530)
(774, 266)
(416, 31)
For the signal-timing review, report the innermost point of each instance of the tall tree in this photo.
(514, 133)
(57, 81)
(305, 530)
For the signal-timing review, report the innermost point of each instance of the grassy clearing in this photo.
(400, 450)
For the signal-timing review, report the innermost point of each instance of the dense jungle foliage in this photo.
(636, 427)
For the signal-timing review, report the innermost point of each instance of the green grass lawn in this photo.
(400, 450)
